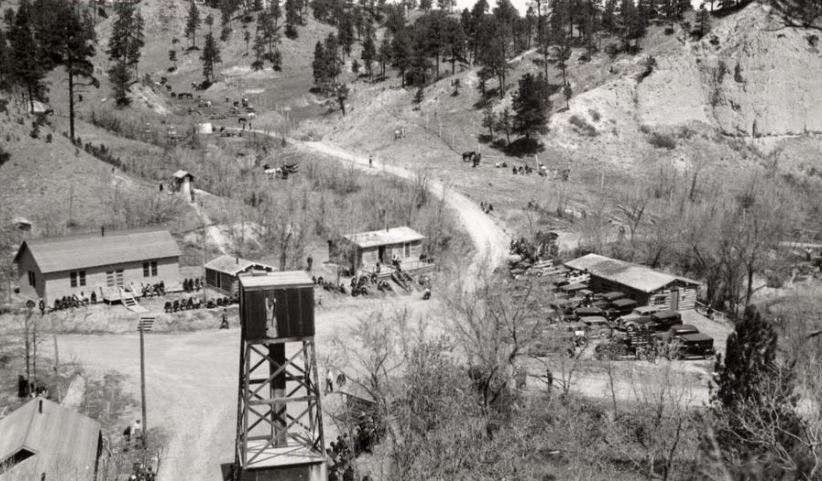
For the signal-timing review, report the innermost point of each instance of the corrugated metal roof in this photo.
(396, 235)
(58, 254)
(636, 276)
(234, 265)
(63, 441)
(276, 279)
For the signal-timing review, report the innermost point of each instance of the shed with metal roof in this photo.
(44, 440)
(641, 283)
(62, 266)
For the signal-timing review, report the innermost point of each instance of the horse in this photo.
(468, 156)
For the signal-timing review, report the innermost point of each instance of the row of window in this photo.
(113, 278)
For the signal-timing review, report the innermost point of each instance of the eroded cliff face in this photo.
(751, 77)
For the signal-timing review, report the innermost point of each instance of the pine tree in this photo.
(531, 106)
(752, 390)
(318, 64)
(247, 39)
(292, 18)
(26, 70)
(259, 52)
(75, 52)
(192, 24)
(425, 5)
(505, 123)
(5, 62)
(124, 50)
(455, 43)
(209, 21)
(275, 11)
(489, 121)
(401, 53)
(345, 33)
(210, 56)
(369, 51)
(332, 58)
(136, 41)
(384, 54)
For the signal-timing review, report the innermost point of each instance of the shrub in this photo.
(4, 156)
(48, 138)
(662, 141)
(644, 129)
(613, 49)
(669, 30)
(594, 115)
(582, 126)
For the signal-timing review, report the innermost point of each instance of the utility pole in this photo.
(143, 387)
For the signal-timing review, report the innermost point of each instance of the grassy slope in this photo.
(607, 96)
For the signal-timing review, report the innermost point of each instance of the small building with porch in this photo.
(44, 440)
(641, 283)
(222, 273)
(104, 263)
(365, 249)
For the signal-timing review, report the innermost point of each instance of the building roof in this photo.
(58, 254)
(396, 235)
(234, 265)
(181, 174)
(63, 443)
(276, 280)
(636, 276)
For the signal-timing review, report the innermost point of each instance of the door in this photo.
(381, 254)
(675, 299)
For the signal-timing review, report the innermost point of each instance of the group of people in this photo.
(486, 207)
(151, 290)
(192, 285)
(194, 302)
(329, 380)
(69, 302)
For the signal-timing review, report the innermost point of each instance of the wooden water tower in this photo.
(279, 417)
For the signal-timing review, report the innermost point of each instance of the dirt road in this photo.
(490, 240)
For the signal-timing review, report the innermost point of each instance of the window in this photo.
(149, 269)
(407, 250)
(119, 277)
(110, 278)
(78, 278)
(32, 279)
(660, 300)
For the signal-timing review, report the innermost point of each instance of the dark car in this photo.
(589, 312)
(659, 321)
(612, 296)
(685, 340)
(620, 307)
(666, 319)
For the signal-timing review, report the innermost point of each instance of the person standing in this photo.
(42, 305)
(310, 262)
(329, 381)
(371, 160)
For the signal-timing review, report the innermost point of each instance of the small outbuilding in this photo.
(182, 181)
(222, 273)
(365, 249)
(44, 440)
(643, 284)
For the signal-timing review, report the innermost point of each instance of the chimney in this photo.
(102, 231)
(40, 406)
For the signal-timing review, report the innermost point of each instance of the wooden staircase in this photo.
(130, 302)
